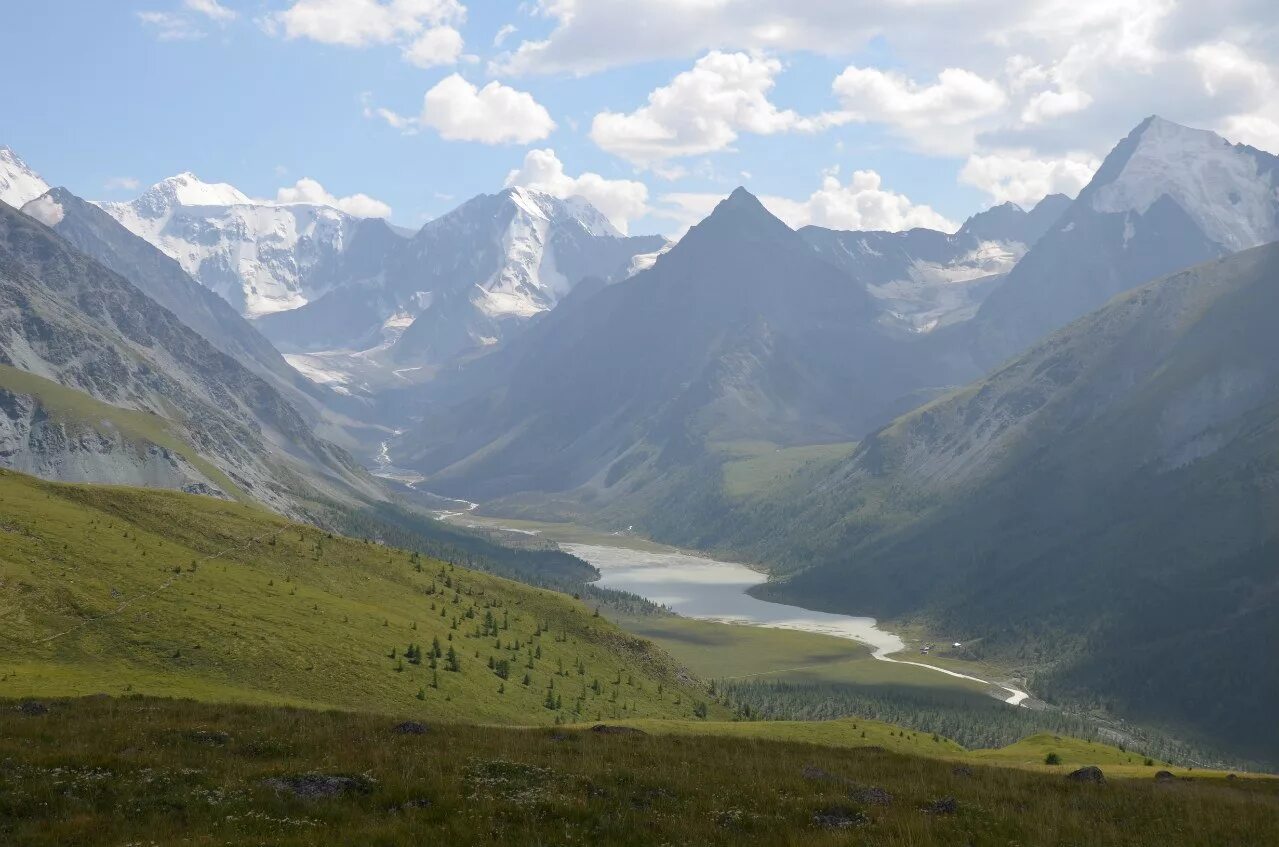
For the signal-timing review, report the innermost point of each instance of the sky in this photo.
(853, 114)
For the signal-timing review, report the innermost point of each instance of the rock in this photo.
(33, 707)
(317, 786)
(1091, 773)
(1165, 776)
(872, 796)
(410, 728)
(606, 729)
(1231, 776)
(962, 771)
(943, 806)
(839, 817)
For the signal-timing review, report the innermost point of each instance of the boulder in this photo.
(1091, 773)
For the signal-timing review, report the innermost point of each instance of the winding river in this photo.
(713, 590)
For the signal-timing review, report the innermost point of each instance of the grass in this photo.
(120, 590)
(142, 771)
(735, 652)
(77, 408)
(755, 467)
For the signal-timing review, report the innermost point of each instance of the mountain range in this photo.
(1103, 505)
(101, 383)
(1051, 431)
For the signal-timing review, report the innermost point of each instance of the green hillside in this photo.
(197, 773)
(118, 590)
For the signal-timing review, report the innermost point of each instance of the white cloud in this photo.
(46, 210)
(122, 183)
(504, 33)
(460, 111)
(1076, 74)
(702, 110)
(307, 190)
(170, 26)
(1024, 179)
(211, 9)
(425, 30)
(861, 203)
(186, 24)
(938, 117)
(621, 200)
(439, 45)
(1247, 86)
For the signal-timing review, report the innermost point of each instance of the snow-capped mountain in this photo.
(463, 282)
(1167, 197)
(19, 184)
(261, 257)
(924, 279)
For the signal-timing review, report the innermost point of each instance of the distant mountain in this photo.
(100, 383)
(463, 282)
(740, 331)
(95, 233)
(260, 257)
(923, 279)
(1167, 197)
(19, 184)
(1103, 509)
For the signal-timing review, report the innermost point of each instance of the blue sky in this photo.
(853, 114)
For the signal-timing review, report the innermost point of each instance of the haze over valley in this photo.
(491, 483)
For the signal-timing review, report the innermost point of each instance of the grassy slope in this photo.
(756, 467)
(191, 772)
(729, 652)
(70, 406)
(223, 601)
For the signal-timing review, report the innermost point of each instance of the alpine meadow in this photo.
(579, 423)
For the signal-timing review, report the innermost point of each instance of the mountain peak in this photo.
(1228, 190)
(19, 184)
(187, 189)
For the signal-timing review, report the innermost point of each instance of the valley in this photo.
(529, 504)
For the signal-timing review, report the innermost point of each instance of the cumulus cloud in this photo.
(702, 110)
(439, 45)
(940, 116)
(1075, 74)
(862, 203)
(425, 30)
(1020, 177)
(307, 190)
(621, 200)
(1246, 87)
(461, 111)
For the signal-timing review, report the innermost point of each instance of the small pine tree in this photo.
(451, 662)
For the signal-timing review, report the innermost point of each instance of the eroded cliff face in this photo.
(34, 441)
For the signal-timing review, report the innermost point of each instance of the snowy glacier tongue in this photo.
(1221, 186)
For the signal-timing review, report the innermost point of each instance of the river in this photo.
(713, 590)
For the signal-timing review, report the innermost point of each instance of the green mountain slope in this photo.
(122, 590)
(1105, 507)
